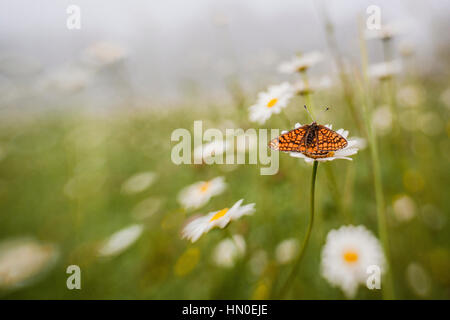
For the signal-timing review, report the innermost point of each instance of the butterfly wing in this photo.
(329, 140)
(291, 141)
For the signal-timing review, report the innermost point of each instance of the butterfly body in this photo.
(313, 140)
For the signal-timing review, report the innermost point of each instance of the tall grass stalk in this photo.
(388, 288)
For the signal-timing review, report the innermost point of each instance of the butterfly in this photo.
(313, 140)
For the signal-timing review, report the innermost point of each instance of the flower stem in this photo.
(289, 281)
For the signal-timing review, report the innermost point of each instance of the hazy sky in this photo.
(174, 41)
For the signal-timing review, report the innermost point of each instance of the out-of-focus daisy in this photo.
(353, 145)
(431, 123)
(197, 227)
(67, 79)
(146, 208)
(23, 260)
(386, 32)
(385, 70)
(382, 120)
(346, 255)
(286, 251)
(406, 49)
(199, 193)
(206, 152)
(120, 240)
(272, 101)
(301, 87)
(404, 208)
(138, 182)
(409, 96)
(418, 279)
(228, 251)
(301, 62)
(104, 53)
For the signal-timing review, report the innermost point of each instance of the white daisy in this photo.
(23, 260)
(353, 145)
(286, 251)
(386, 32)
(199, 193)
(104, 53)
(382, 120)
(302, 87)
(120, 240)
(197, 227)
(138, 182)
(228, 251)
(301, 63)
(384, 70)
(272, 101)
(207, 151)
(347, 254)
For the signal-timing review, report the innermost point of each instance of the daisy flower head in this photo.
(301, 62)
(302, 87)
(352, 147)
(228, 251)
(386, 32)
(385, 70)
(199, 193)
(205, 153)
(272, 101)
(198, 226)
(347, 254)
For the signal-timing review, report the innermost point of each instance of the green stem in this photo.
(289, 281)
(388, 292)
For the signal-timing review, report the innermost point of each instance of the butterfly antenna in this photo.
(309, 113)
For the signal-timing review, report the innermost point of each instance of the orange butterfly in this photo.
(313, 140)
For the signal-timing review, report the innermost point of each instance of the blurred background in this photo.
(86, 118)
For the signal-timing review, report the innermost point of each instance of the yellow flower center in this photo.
(272, 102)
(219, 214)
(204, 187)
(351, 256)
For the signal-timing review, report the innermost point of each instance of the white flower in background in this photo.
(418, 279)
(384, 70)
(67, 79)
(23, 260)
(431, 123)
(272, 101)
(353, 145)
(104, 53)
(286, 251)
(198, 194)
(207, 151)
(382, 120)
(386, 32)
(146, 208)
(404, 208)
(303, 87)
(406, 49)
(228, 251)
(301, 62)
(409, 96)
(138, 182)
(198, 226)
(346, 255)
(120, 240)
